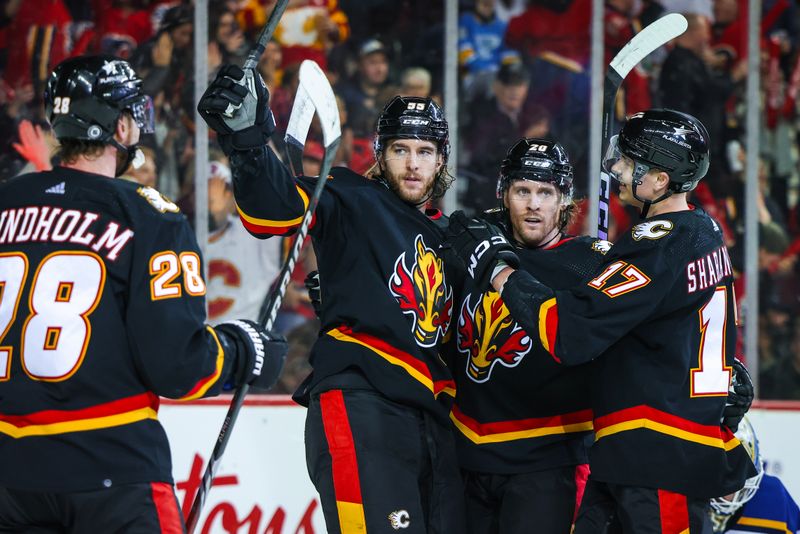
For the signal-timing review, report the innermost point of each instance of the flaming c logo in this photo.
(423, 293)
(488, 335)
(230, 277)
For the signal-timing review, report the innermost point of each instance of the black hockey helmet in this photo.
(410, 117)
(663, 139)
(536, 159)
(85, 96)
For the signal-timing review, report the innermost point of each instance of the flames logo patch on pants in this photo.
(399, 519)
(488, 335)
(423, 293)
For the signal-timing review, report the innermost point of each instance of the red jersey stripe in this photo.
(344, 465)
(640, 417)
(46, 417)
(169, 517)
(674, 512)
(501, 431)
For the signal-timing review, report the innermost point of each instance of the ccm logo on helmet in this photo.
(537, 163)
(414, 122)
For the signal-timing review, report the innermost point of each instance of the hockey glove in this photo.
(477, 246)
(258, 354)
(236, 106)
(314, 291)
(740, 396)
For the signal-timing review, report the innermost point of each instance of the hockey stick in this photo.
(643, 43)
(265, 35)
(314, 94)
(249, 78)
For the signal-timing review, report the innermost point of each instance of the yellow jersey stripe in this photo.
(78, 426)
(649, 424)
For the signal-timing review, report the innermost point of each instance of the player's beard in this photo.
(411, 191)
(539, 234)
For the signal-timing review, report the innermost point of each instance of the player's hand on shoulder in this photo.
(740, 396)
(259, 354)
(236, 106)
(477, 246)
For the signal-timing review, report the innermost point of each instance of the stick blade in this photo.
(646, 41)
(318, 89)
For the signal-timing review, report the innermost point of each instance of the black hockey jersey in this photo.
(662, 315)
(517, 410)
(386, 301)
(101, 312)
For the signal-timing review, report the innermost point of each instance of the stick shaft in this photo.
(266, 34)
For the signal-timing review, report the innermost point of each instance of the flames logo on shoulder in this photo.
(602, 246)
(423, 293)
(488, 335)
(157, 200)
(651, 230)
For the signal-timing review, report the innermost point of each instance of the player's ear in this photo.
(123, 127)
(662, 180)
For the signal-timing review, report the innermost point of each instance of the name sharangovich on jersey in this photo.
(57, 225)
(709, 270)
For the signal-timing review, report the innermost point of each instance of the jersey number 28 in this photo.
(55, 334)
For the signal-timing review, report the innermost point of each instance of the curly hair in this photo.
(72, 149)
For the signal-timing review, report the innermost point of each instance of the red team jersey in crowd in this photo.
(241, 271)
(101, 312)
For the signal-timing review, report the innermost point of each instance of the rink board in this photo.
(263, 486)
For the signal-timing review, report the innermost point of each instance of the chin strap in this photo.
(647, 203)
(133, 156)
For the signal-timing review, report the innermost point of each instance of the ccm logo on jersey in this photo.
(651, 230)
(481, 249)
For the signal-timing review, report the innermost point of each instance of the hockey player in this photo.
(762, 505)
(521, 419)
(101, 312)
(378, 443)
(661, 313)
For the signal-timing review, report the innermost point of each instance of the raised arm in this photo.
(236, 106)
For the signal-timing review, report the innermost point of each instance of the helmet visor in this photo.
(614, 155)
(143, 112)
